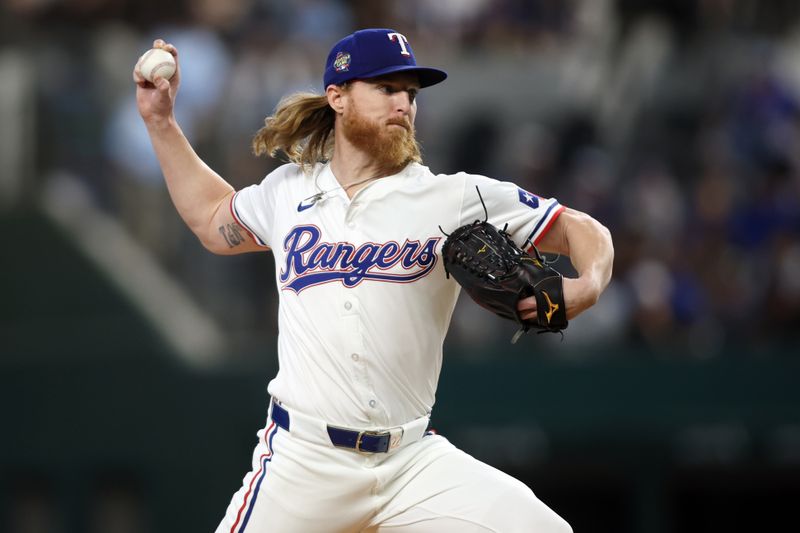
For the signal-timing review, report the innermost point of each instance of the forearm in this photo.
(196, 190)
(590, 248)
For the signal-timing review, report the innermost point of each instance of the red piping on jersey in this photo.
(547, 227)
(242, 224)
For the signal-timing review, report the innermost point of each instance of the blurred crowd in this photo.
(675, 123)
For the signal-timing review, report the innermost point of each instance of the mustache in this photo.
(400, 122)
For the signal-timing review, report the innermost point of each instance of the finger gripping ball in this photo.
(157, 63)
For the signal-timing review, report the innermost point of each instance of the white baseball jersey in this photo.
(364, 300)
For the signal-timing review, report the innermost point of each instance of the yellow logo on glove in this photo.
(553, 307)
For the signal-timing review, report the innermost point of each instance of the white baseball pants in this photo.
(301, 484)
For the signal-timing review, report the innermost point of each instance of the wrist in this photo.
(156, 125)
(580, 294)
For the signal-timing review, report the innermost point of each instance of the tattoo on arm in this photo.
(232, 234)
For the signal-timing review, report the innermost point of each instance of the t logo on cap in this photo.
(400, 38)
(373, 52)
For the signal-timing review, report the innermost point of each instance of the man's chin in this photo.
(392, 145)
(398, 135)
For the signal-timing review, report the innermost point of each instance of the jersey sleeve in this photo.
(254, 207)
(529, 216)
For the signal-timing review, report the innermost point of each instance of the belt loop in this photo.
(280, 416)
(396, 439)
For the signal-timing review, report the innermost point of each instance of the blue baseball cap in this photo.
(375, 52)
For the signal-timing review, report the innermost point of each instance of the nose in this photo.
(403, 102)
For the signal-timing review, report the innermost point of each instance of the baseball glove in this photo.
(497, 274)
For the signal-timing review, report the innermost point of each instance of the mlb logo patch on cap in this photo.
(342, 62)
(372, 53)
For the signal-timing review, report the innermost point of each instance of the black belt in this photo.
(362, 441)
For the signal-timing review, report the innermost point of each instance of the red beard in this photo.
(391, 147)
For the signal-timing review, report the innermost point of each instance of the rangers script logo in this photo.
(310, 262)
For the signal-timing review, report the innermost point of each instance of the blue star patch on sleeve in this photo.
(529, 199)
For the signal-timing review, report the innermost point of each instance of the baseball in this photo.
(157, 63)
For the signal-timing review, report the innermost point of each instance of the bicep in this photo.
(555, 240)
(226, 236)
(572, 232)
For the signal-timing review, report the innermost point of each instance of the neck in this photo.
(354, 168)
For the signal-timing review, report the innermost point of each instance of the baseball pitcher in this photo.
(356, 225)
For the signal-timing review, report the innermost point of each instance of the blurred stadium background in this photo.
(133, 364)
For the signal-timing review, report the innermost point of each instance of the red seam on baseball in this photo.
(158, 66)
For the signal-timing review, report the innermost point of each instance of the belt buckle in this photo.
(368, 433)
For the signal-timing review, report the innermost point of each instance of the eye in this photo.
(391, 89)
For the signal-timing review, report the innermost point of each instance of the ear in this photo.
(336, 97)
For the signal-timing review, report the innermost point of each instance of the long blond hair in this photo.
(301, 127)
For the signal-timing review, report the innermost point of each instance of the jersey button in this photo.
(354, 357)
(373, 403)
(348, 305)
